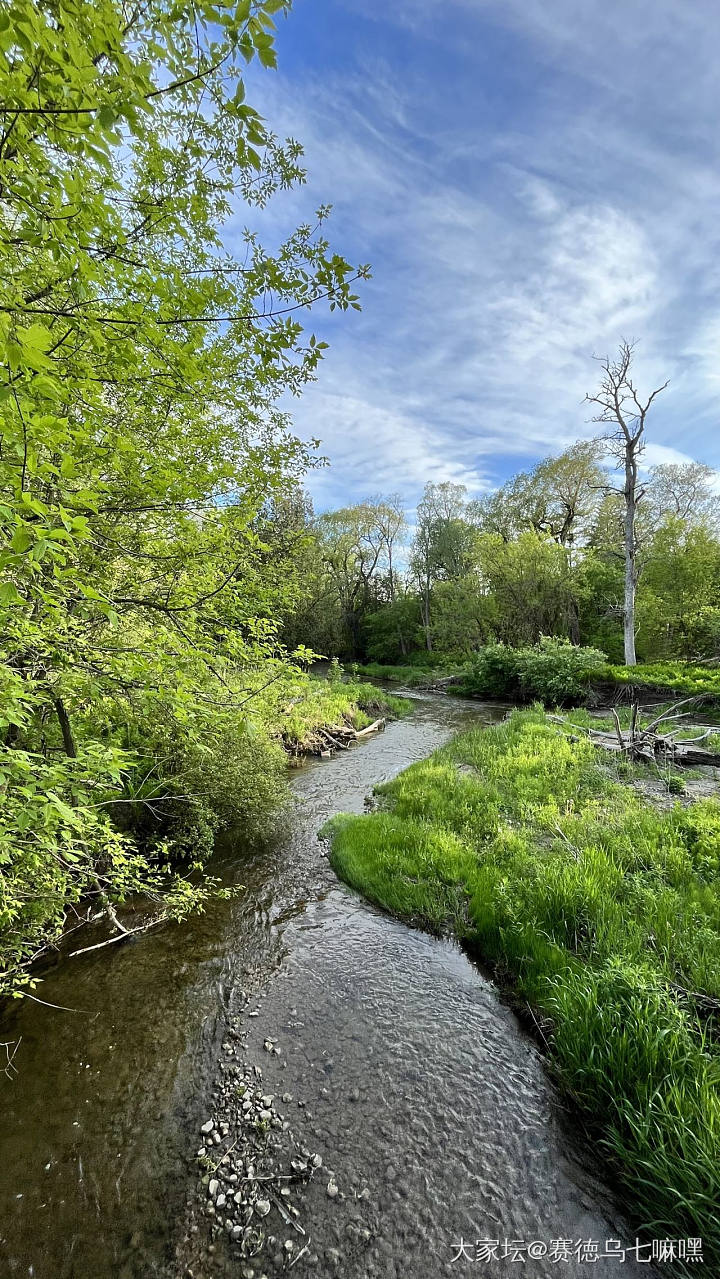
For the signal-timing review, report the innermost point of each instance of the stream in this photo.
(408, 1073)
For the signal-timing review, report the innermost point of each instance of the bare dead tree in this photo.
(620, 405)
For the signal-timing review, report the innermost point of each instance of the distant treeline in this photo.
(543, 555)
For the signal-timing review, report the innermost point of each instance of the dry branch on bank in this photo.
(648, 743)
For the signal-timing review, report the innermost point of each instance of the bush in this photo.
(557, 673)
(493, 672)
(239, 781)
(60, 845)
(335, 671)
(553, 672)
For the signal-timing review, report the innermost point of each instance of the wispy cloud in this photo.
(519, 217)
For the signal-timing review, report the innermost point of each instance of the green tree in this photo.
(394, 630)
(559, 497)
(465, 615)
(356, 545)
(678, 612)
(686, 490)
(531, 586)
(141, 365)
(442, 548)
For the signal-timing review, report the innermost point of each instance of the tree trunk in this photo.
(353, 626)
(65, 729)
(391, 575)
(574, 622)
(630, 570)
(426, 617)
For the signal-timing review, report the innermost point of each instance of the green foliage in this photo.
(356, 546)
(690, 678)
(392, 631)
(463, 617)
(553, 672)
(531, 586)
(335, 672)
(59, 846)
(678, 612)
(145, 459)
(412, 676)
(232, 775)
(599, 910)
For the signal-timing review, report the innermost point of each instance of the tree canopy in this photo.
(142, 359)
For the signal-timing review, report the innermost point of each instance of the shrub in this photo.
(60, 845)
(553, 672)
(493, 672)
(557, 673)
(335, 671)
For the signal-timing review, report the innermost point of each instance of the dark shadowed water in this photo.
(420, 1087)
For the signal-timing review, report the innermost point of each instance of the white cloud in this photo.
(505, 257)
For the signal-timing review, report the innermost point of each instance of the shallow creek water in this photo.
(418, 1084)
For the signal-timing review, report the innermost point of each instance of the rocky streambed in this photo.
(290, 1082)
(251, 1166)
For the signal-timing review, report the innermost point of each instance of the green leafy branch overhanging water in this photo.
(144, 456)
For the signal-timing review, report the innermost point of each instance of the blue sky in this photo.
(530, 180)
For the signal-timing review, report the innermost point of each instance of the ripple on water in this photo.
(419, 1085)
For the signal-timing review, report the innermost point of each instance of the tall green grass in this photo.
(410, 676)
(690, 678)
(599, 911)
(322, 704)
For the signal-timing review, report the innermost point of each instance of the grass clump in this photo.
(321, 703)
(600, 911)
(690, 678)
(410, 676)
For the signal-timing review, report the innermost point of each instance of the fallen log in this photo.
(371, 728)
(334, 741)
(690, 755)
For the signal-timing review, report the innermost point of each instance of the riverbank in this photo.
(408, 1075)
(553, 672)
(319, 718)
(155, 820)
(422, 678)
(599, 912)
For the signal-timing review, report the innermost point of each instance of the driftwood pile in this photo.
(323, 742)
(654, 742)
